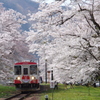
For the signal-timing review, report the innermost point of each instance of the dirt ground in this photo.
(36, 96)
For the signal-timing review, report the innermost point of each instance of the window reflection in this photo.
(33, 69)
(25, 71)
(17, 70)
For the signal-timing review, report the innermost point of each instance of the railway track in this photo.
(33, 95)
(19, 96)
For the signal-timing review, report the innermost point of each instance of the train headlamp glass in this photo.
(18, 78)
(32, 77)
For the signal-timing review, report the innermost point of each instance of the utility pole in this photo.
(45, 70)
(52, 79)
(52, 74)
(52, 82)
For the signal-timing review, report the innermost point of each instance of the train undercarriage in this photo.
(27, 86)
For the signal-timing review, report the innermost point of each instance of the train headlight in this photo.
(18, 78)
(32, 77)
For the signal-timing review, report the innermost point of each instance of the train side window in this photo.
(17, 70)
(33, 69)
(25, 71)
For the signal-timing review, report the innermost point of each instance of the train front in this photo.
(26, 76)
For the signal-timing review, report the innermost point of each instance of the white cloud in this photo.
(48, 1)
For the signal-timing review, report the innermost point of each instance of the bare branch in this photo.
(62, 21)
(97, 26)
(90, 52)
(95, 23)
(89, 23)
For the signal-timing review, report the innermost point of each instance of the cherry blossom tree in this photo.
(12, 41)
(68, 37)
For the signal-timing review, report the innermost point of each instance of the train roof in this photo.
(25, 63)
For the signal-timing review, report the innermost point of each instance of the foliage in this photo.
(66, 35)
(67, 38)
(12, 41)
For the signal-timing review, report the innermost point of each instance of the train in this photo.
(26, 76)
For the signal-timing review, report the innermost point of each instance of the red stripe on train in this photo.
(25, 77)
(25, 63)
(34, 81)
(17, 82)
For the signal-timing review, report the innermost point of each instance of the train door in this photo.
(25, 71)
(25, 76)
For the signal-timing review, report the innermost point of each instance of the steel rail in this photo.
(25, 96)
(13, 96)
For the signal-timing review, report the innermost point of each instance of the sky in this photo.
(48, 1)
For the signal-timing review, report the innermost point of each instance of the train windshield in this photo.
(33, 69)
(17, 70)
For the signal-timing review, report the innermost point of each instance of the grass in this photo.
(6, 91)
(76, 93)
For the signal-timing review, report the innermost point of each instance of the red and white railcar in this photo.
(26, 76)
